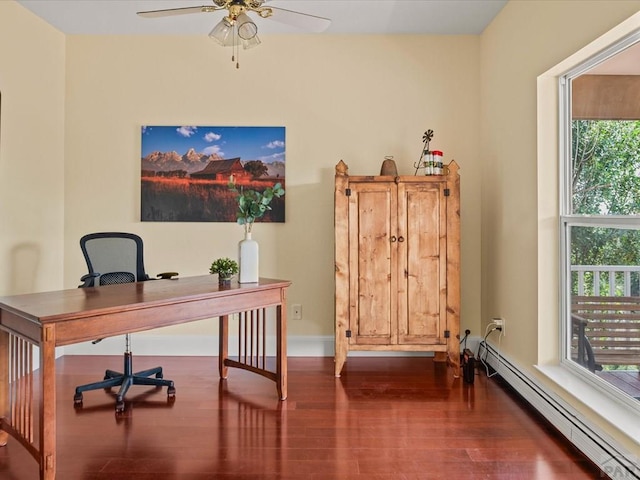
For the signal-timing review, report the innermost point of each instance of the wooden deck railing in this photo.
(605, 314)
(606, 280)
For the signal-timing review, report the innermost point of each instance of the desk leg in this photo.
(223, 350)
(281, 347)
(4, 384)
(48, 404)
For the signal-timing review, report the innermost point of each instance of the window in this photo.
(600, 218)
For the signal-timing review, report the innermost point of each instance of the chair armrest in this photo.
(88, 279)
(167, 275)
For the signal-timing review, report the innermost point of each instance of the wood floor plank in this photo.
(385, 418)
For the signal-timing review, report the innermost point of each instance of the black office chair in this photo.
(111, 258)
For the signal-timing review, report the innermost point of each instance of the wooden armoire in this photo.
(397, 264)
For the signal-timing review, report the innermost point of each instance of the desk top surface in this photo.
(52, 306)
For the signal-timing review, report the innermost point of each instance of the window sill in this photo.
(620, 415)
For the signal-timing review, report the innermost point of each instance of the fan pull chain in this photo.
(235, 48)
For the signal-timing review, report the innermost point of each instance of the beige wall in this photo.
(520, 181)
(355, 98)
(32, 75)
(526, 39)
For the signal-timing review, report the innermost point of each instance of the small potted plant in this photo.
(225, 268)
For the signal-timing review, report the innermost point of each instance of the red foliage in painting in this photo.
(173, 199)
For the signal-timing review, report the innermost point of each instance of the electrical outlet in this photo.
(499, 322)
(296, 311)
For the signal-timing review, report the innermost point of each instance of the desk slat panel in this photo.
(252, 343)
(18, 401)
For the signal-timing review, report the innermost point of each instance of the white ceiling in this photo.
(118, 17)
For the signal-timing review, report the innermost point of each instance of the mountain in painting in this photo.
(191, 161)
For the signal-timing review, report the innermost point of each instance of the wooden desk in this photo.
(51, 319)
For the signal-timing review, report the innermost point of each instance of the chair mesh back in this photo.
(117, 277)
(117, 257)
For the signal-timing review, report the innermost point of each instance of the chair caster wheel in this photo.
(119, 407)
(77, 400)
(171, 392)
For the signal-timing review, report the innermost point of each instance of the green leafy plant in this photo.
(224, 267)
(253, 204)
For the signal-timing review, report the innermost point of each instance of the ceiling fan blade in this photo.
(305, 21)
(177, 11)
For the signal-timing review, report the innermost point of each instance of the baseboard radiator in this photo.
(613, 460)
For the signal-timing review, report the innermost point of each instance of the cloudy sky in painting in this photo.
(248, 143)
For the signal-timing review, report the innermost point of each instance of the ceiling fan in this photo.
(236, 28)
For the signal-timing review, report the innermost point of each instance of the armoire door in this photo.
(372, 260)
(422, 264)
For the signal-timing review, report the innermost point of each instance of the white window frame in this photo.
(568, 220)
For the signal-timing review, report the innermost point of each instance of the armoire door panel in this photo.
(420, 316)
(372, 256)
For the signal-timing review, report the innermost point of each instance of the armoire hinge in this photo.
(447, 334)
(447, 192)
(348, 332)
(347, 192)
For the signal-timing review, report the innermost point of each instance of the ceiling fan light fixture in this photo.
(252, 42)
(236, 28)
(222, 32)
(246, 28)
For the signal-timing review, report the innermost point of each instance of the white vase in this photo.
(248, 255)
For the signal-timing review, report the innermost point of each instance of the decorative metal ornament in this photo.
(426, 138)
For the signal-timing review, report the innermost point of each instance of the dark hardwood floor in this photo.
(385, 418)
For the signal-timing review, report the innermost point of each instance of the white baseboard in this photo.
(610, 456)
(207, 345)
(197, 345)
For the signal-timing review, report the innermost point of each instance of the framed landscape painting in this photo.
(186, 170)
